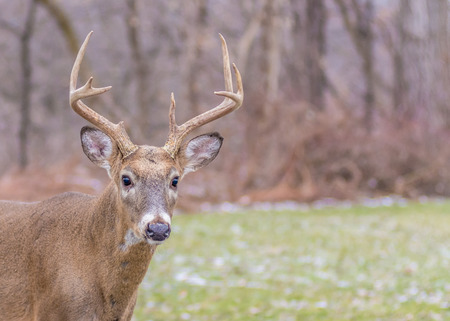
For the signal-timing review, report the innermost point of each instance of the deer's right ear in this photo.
(97, 146)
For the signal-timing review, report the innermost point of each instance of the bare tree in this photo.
(295, 56)
(196, 43)
(140, 70)
(438, 47)
(26, 74)
(64, 23)
(358, 20)
(400, 90)
(249, 36)
(271, 26)
(316, 17)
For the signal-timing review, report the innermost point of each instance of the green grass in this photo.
(387, 263)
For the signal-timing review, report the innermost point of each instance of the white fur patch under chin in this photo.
(151, 242)
(130, 239)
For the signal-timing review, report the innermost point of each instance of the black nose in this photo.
(158, 231)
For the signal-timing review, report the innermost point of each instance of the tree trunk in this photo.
(196, 52)
(64, 24)
(139, 70)
(361, 34)
(315, 51)
(400, 90)
(26, 73)
(271, 26)
(366, 33)
(438, 47)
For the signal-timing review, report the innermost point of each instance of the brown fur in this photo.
(79, 257)
(65, 259)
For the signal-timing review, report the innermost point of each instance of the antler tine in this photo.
(115, 131)
(231, 102)
(226, 65)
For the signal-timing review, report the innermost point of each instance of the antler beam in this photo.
(231, 102)
(115, 131)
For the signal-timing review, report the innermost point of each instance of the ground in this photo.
(348, 263)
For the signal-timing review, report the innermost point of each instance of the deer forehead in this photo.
(150, 161)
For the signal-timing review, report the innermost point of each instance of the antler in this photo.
(231, 102)
(114, 131)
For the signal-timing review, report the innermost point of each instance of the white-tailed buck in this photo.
(82, 257)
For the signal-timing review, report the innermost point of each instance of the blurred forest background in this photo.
(343, 98)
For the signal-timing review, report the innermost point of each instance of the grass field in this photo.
(358, 263)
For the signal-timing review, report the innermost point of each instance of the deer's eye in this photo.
(175, 182)
(126, 180)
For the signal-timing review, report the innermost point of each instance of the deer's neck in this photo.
(124, 266)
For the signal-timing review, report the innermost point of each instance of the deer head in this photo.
(146, 177)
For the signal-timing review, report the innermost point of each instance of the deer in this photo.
(82, 257)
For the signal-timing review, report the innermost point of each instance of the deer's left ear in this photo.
(199, 152)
